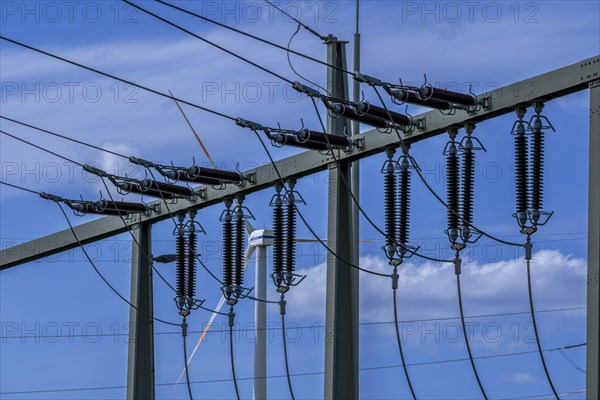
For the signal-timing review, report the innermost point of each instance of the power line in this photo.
(234, 54)
(265, 41)
(116, 78)
(207, 381)
(306, 327)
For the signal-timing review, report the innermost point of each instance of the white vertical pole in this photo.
(260, 318)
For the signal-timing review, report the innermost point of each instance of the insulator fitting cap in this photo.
(244, 123)
(299, 87)
(367, 79)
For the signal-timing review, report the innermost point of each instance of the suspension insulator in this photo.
(468, 179)
(184, 176)
(536, 165)
(182, 191)
(522, 202)
(292, 140)
(90, 208)
(380, 112)
(429, 91)
(452, 190)
(290, 234)
(404, 202)
(180, 262)
(406, 96)
(326, 138)
(191, 262)
(227, 249)
(341, 110)
(215, 174)
(277, 235)
(239, 247)
(129, 187)
(122, 206)
(389, 192)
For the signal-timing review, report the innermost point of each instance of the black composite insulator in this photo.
(380, 112)
(290, 236)
(122, 206)
(326, 138)
(191, 263)
(90, 208)
(181, 175)
(411, 97)
(134, 188)
(536, 166)
(227, 250)
(278, 236)
(292, 140)
(217, 174)
(404, 203)
(167, 187)
(521, 171)
(342, 110)
(452, 188)
(389, 192)
(239, 249)
(467, 100)
(180, 263)
(468, 179)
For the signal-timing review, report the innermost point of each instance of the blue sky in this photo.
(488, 45)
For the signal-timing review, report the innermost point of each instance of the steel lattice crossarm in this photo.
(557, 83)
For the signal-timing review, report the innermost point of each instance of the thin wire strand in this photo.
(116, 78)
(296, 20)
(294, 69)
(232, 53)
(102, 276)
(535, 330)
(466, 335)
(62, 136)
(281, 180)
(20, 188)
(41, 148)
(212, 21)
(404, 367)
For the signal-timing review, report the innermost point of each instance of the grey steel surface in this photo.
(260, 319)
(341, 309)
(593, 291)
(140, 363)
(547, 86)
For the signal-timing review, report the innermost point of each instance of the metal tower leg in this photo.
(593, 293)
(341, 346)
(140, 367)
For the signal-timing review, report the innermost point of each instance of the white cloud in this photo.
(521, 377)
(428, 290)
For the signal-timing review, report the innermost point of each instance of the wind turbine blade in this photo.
(208, 325)
(249, 227)
(248, 255)
(195, 134)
